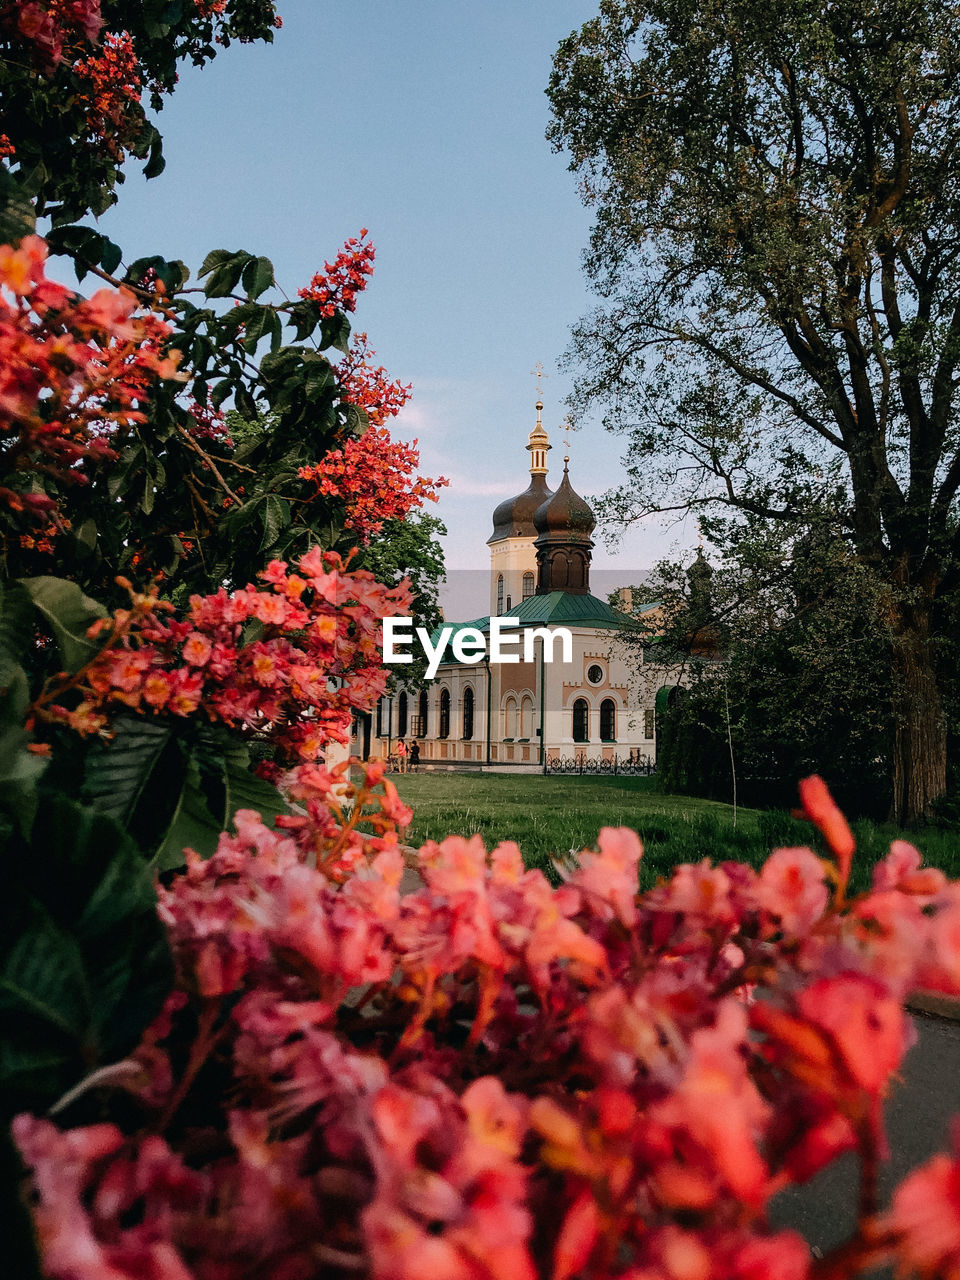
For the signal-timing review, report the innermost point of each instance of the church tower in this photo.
(563, 524)
(513, 556)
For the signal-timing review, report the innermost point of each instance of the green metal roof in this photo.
(557, 609)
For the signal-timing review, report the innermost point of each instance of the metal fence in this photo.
(633, 766)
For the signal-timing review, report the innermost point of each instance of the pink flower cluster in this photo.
(375, 478)
(335, 288)
(73, 372)
(54, 27)
(110, 91)
(491, 1077)
(368, 386)
(292, 659)
(208, 424)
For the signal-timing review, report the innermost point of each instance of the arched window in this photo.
(422, 726)
(379, 717)
(444, 730)
(509, 602)
(402, 716)
(510, 718)
(528, 585)
(608, 720)
(499, 594)
(526, 718)
(468, 712)
(581, 721)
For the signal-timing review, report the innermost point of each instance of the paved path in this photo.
(918, 1114)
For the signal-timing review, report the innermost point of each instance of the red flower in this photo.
(819, 807)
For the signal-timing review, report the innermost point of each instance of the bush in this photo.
(490, 1077)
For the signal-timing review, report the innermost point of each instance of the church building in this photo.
(595, 710)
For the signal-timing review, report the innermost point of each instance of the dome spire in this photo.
(538, 445)
(539, 441)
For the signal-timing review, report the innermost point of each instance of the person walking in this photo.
(401, 756)
(415, 757)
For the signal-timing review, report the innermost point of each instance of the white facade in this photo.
(599, 707)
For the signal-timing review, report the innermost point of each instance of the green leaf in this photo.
(20, 771)
(216, 258)
(244, 790)
(117, 772)
(111, 255)
(278, 364)
(258, 325)
(245, 401)
(225, 278)
(130, 460)
(257, 276)
(16, 623)
(84, 964)
(220, 392)
(42, 983)
(69, 613)
(17, 218)
(335, 332)
(193, 825)
(86, 535)
(276, 517)
(156, 163)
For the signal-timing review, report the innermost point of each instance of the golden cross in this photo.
(538, 370)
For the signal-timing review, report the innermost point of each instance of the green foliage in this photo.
(802, 671)
(411, 549)
(61, 161)
(776, 208)
(83, 956)
(69, 614)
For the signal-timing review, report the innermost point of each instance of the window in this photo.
(509, 602)
(444, 730)
(581, 720)
(510, 719)
(608, 720)
(402, 716)
(380, 717)
(649, 723)
(595, 673)
(526, 718)
(528, 585)
(499, 594)
(422, 726)
(468, 712)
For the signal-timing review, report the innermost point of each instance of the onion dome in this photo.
(700, 572)
(513, 518)
(564, 524)
(566, 514)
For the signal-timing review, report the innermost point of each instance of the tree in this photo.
(73, 74)
(776, 242)
(789, 645)
(173, 598)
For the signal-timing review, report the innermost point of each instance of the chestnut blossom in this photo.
(489, 1076)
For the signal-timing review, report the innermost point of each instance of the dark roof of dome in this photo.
(565, 513)
(701, 569)
(513, 518)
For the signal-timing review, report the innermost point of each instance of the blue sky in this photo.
(423, 121)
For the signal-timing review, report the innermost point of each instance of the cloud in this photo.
(462, 486)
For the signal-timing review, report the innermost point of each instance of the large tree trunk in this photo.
(920, 736)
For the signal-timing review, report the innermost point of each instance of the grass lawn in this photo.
(547, 815)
